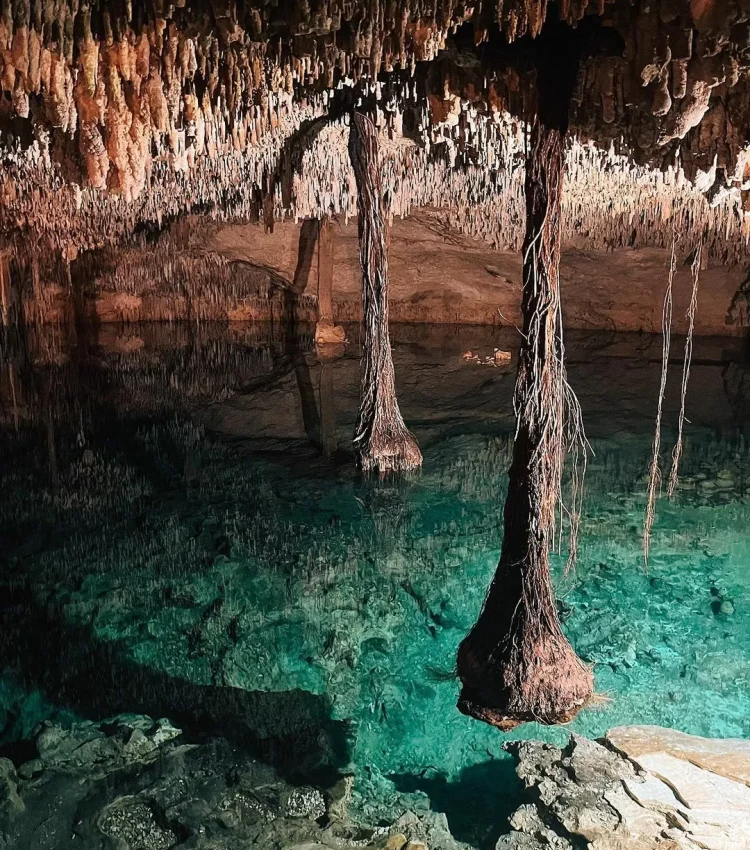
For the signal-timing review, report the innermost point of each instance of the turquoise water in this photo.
(185, 534)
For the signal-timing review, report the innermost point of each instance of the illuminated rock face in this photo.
(657, 788)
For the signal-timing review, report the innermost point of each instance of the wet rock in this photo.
(133, 823)
(30, 769)
(128, 782)
(339, 798)
(726, 607)
(529, 832)
(123, 740)
(165, 732)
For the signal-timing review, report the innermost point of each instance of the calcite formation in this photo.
(118, 118)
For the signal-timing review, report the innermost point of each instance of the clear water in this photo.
(185, 534)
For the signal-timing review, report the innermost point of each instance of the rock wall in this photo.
(236, 272)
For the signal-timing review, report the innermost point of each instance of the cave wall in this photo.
(238, 272)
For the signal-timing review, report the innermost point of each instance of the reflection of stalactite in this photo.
(739, 310)
(327, 410)
(736, 380)
(310, 416)
(49, 416)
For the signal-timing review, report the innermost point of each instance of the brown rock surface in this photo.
(237, 272)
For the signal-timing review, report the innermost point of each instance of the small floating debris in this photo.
(498, 358)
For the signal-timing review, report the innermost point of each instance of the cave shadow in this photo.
(292, 731)
(477, 803)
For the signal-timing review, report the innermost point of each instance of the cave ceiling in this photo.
(119, 117)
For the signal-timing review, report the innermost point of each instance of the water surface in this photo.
(185, 534)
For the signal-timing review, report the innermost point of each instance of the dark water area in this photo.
(185, 535)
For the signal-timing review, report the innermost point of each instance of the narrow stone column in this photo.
(516, 665)
(326, 332)
(382, 440)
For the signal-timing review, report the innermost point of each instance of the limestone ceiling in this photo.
(117, 116)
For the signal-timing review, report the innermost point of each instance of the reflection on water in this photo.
(185, 535)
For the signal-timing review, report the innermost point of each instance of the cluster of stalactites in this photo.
(203, 112)
(669, 87)
(150, 80)
(113, 103)
(608, 201)
(112, 93)
(678, 92)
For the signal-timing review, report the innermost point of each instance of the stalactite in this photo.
(381, 440)
(516, 665)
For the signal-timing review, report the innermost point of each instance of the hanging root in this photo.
(687, 359)
(389, 447)
(516, 665)
(534, 676)
(576, 447)
(654, 473)
(382, 440)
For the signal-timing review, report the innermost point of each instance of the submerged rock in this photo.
(11, 804)
(304, 802)
(130, 783)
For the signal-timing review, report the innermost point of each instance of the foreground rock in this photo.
(130, 783)
(642, 788)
